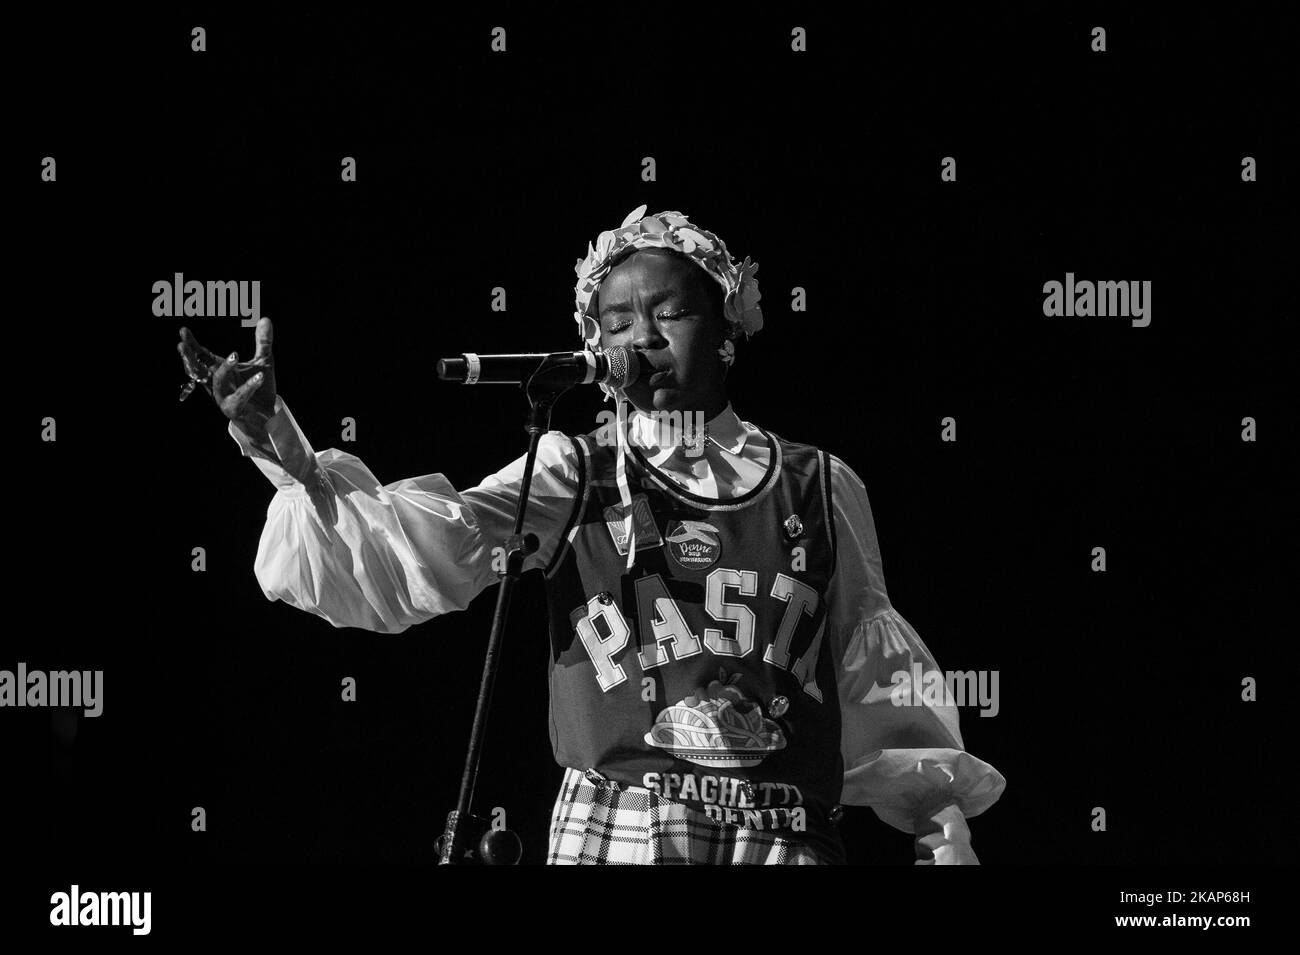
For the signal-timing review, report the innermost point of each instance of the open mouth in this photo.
(659, 377)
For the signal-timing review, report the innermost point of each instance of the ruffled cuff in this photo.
(943, 838)
(905, 786)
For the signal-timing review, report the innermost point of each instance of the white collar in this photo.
(658, 436)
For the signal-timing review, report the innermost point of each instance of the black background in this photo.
(476, 169)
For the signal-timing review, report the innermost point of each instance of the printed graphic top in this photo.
(699, 675)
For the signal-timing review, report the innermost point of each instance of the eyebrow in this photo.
(652, 300)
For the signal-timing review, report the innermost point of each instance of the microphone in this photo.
(618, 367)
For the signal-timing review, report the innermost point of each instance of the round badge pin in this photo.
(694, 545)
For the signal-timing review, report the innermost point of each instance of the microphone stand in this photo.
(469, 839)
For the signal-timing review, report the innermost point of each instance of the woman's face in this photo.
(657, 304)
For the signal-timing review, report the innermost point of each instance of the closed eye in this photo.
(617, 327)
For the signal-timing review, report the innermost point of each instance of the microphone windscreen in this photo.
(624, 366)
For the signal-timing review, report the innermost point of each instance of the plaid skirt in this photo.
(598, 822)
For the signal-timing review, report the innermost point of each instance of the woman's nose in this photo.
(646, 334)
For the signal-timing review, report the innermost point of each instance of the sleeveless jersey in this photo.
(699, 674)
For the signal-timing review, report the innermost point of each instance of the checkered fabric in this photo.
(598, 822)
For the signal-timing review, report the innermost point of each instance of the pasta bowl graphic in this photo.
(716, 726)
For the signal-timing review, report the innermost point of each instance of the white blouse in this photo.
(383, 557)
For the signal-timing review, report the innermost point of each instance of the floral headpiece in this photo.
(670, 230)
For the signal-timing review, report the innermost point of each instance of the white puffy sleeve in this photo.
(382, 557)
(902, 746)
